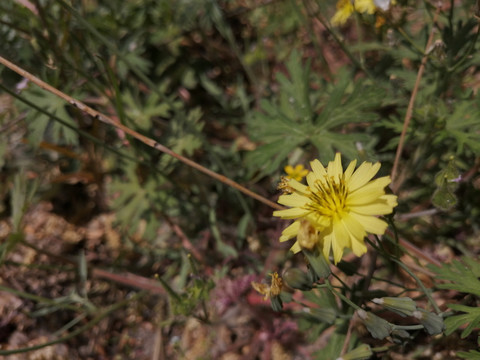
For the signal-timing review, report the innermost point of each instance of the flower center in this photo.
(328, 197)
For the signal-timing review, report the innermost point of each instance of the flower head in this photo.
(297, 173)
(297, 279)
(340, 207)
(345, 8)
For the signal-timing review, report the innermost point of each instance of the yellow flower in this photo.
(297, 173)
(364, 6)
(345, 8)
(337, 207)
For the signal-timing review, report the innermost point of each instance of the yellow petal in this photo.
(318, 169)
(374, 208)
(357, 233)
(292, 213)
(311, 178)
(368, 193)
(349, 171)
(358, 247)
(344, 10)
(298, 186)
(390, 199)
(365, 6)
(327, 245)
(335, 169)
(290, 231)
(337, 248)
(371, 224)
(293, 200)
(295, 248)
(365, 172)
(341, 241)
(289, 169)
(354, 227)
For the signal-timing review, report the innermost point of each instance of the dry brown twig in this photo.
(408, 116)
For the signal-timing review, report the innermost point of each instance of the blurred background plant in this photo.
(91, 216)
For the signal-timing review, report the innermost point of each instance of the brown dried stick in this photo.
(408, 115)
(146, 140)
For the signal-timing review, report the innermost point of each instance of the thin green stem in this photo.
(408, 327)
(341, 296)
(168, 289)
(320, 286)
(311, 32)
(381, 348)
(407, 269)
(420, 283)
(359, 36)
(342, 282)
(344, 48)
(395, 235)
(69, 325)
(39, 299)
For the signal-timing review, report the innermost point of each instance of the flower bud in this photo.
(297, 279)
(378, 327)
(432, 322)
(359, 353)
(403, 306)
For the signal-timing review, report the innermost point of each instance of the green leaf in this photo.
(460, 124)
(472, 318)
(323, 298)
(472, 354)
(295, 94)
(267, 158)
(464, 278)
(185, 132)
(142, 114)
(463, 275)
(40, 125)
(301, 115)
(134, 200)
(463, 125)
